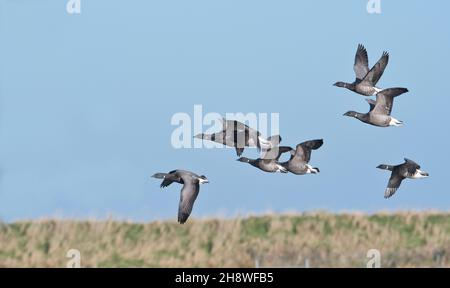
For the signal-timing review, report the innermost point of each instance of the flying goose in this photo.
(191, 186)
(366, 80)
(298, 163)
(238, 135)
(380, 110)
(269, 163)
(409, 169)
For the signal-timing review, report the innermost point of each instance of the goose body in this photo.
(300, 157)
(269, 162)
(191, 187)
(380, 110)
(238, 135)
(366, 80)
(407, 170)
(265, 165)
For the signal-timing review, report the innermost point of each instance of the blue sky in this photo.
(86, 102)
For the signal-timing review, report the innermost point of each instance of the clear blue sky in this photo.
(86, 102)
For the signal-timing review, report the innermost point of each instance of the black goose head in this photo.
(352, 114)
(341, 84)
(243, 159)
(360, 116)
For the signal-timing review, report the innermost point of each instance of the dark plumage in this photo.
(366, 80)
(300, 157)
(191, 187)
(380, 110)
(269, 161)
(238, 135)
(409, 169)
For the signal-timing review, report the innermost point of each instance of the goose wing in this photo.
(361, 66)
(393, 184)
(282, 150)
(303, 150)
(385, 100)
(374, 75)
(234, 125)
(188, 195)
(241, 134)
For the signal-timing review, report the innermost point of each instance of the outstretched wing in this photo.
(385, 100)
(393, 185)
(241, 134)
(282, 150)
(188, 194)
(361, 66)
(234, 125)
(303, 150)
(377, 70)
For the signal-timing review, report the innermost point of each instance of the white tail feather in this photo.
(395, 122)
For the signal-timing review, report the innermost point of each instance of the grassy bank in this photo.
(322, 240)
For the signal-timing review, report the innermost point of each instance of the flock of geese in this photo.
(238, 135)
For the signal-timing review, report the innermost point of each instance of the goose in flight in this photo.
(238, 135)
(380, 110)
(300, 157)
(191, 187)
(366, 80)
(269, 162)
(409, 169)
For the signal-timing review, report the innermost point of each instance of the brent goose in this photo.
(409, 169)
(298, 163)
(366, 80)
(269, 163)
(191, 186)
(238, 135)
(380, 110)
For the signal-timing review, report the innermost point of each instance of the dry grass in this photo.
(325, 240)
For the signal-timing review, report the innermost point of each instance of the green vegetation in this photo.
(324, 240)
